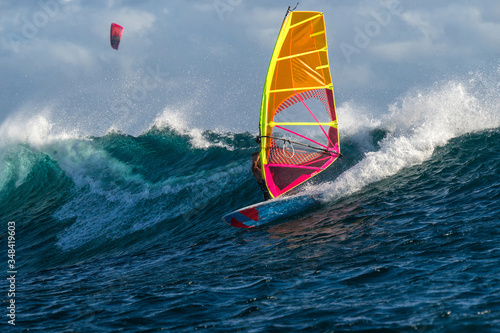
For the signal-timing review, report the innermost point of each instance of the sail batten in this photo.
(298, 92)
(302, 54)
(301, 88)
(306, 20)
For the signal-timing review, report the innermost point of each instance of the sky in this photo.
(203, 62)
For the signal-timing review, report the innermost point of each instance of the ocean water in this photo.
(123, 233)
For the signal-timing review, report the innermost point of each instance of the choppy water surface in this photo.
(123, 233)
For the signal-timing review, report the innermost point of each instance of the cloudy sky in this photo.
(203, 62)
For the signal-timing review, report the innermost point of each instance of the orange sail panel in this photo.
(298, 123)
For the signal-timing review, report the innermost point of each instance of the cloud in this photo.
(216, 52)
(262, 25)
(450, 31)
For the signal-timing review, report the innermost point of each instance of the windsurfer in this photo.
(257, 173)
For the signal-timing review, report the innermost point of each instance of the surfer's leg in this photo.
(264, 190)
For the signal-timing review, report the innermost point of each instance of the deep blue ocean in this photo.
(123, 233)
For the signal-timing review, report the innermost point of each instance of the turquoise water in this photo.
(124, 233)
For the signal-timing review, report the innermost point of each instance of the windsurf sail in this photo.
(298, 124)
(116, 35)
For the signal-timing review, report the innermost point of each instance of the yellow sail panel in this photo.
(298, 73)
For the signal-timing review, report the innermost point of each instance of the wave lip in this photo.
(98, 192)
(415, 127)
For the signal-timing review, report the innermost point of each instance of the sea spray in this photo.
(416, 125)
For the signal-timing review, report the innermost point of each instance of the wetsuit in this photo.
(257, 172)
(265, 191)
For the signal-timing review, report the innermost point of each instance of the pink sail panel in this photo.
(285, 173)
(286, 169)
(115, 35)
